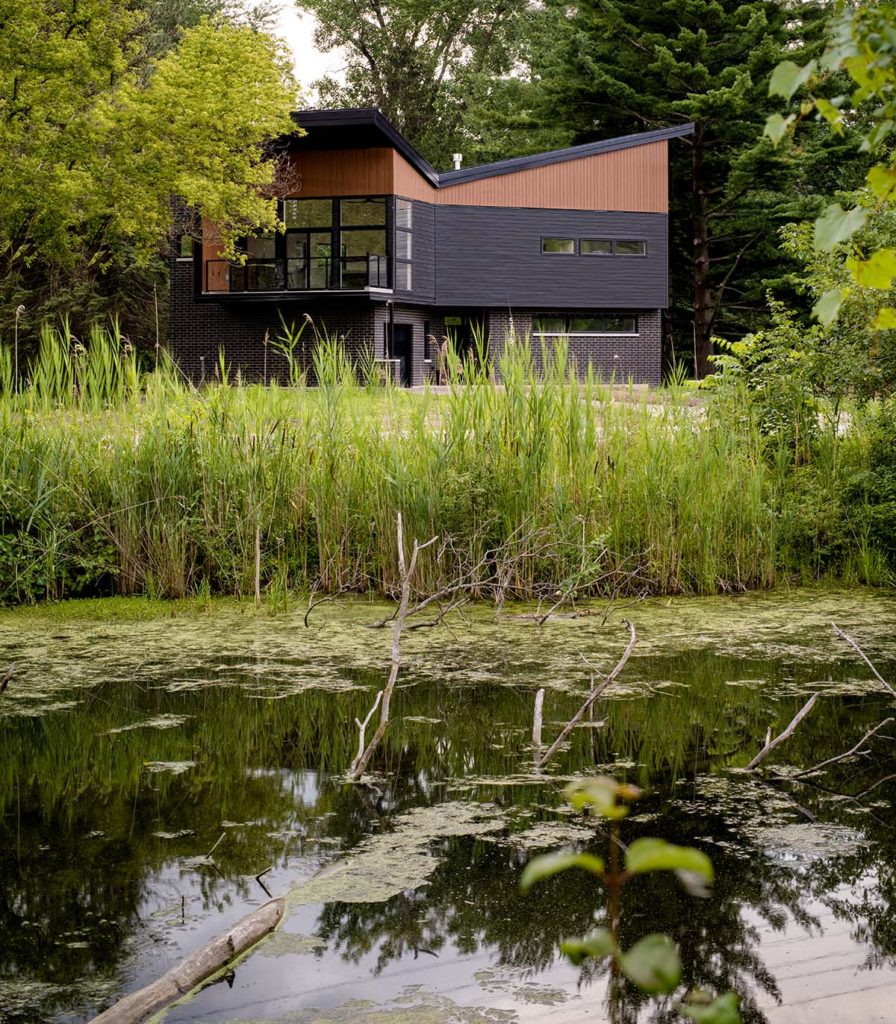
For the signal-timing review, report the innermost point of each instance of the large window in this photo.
(404, 244)
(327, 244)
(575, 326)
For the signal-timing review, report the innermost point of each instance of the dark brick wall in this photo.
(202, 328)
(621, 358)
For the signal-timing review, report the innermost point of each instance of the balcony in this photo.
(322, 273)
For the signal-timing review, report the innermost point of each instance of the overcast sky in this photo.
(298, 30)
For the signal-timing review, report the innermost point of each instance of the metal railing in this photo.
(320, 273)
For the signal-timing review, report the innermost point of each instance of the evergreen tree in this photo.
(608, 67)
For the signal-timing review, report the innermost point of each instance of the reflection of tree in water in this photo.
(64, 777)
(473, 902)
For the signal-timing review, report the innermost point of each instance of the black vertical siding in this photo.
(491, 256)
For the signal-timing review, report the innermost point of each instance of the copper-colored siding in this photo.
(635, 180)
(342, 172)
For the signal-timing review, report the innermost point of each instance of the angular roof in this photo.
(361, 128)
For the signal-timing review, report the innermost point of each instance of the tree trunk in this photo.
(704, 308)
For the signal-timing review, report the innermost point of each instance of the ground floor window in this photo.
(576, 325)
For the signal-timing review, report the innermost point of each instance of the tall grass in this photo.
(117, 479)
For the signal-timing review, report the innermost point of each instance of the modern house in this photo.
(385, 252)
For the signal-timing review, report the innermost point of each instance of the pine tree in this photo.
(607, 67)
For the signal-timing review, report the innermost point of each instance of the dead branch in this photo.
(849, 753)
(197, 968)
(595, 693)
(788, 732)
(362, 728)
(323, 600)
(537, 720)
(7, 675)
(443, 614)
(405, 574)
(864, 657)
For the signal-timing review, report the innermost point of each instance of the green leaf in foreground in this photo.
(776, 127)
(837, 225)
(658, 855)
(828, 306)
(722, 1010)
(597, 944)
(885, 319)
(553, 863)
(653, 964)
(788, 77)
(877, 271)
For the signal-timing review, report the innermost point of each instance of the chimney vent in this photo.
(458, 160)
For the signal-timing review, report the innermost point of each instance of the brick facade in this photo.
(201, 328)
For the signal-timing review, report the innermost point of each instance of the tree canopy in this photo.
(98, 134)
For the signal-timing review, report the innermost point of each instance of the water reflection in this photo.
(95, 842)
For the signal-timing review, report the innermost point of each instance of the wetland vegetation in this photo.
(117, 480)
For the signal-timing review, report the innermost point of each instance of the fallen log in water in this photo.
(198, 967)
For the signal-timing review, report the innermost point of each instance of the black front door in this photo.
(402, 348)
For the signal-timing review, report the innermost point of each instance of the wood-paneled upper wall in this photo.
(633, 179)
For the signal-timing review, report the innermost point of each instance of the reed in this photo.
(115, 478)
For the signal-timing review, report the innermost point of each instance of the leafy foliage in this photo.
(861, 46)
(99, 134)
(653, 964)
(423, 63)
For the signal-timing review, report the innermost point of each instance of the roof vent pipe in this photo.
(458, 160)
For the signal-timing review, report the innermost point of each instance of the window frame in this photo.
(602, 255)
(630, 255)
(569, 317)
(406, 232)
(559, 238)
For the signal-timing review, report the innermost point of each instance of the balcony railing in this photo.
(320, 273)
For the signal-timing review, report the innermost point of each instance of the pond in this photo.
(161, 775)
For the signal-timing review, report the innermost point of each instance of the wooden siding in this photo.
(634, 180)
(342, 172)
(410, 183)
(215, 277)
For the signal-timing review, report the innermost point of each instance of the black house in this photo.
(390, 255)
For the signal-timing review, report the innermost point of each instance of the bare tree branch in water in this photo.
(405, 574)
(864, 657)
(786, 734)
(849, 753)
(595, 693)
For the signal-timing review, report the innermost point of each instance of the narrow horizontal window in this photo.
(549, 325)
(596, 246)
(581, 326)
(559, 245)
(631, 247)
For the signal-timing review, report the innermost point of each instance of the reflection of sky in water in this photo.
(106, 883)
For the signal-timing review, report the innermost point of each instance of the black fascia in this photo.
(369, 123)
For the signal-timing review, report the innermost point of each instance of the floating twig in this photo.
(788, 732)
(595, 693)
(849, 753)
(864, 657)
(215, 847)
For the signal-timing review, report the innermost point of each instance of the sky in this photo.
(297, 28)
